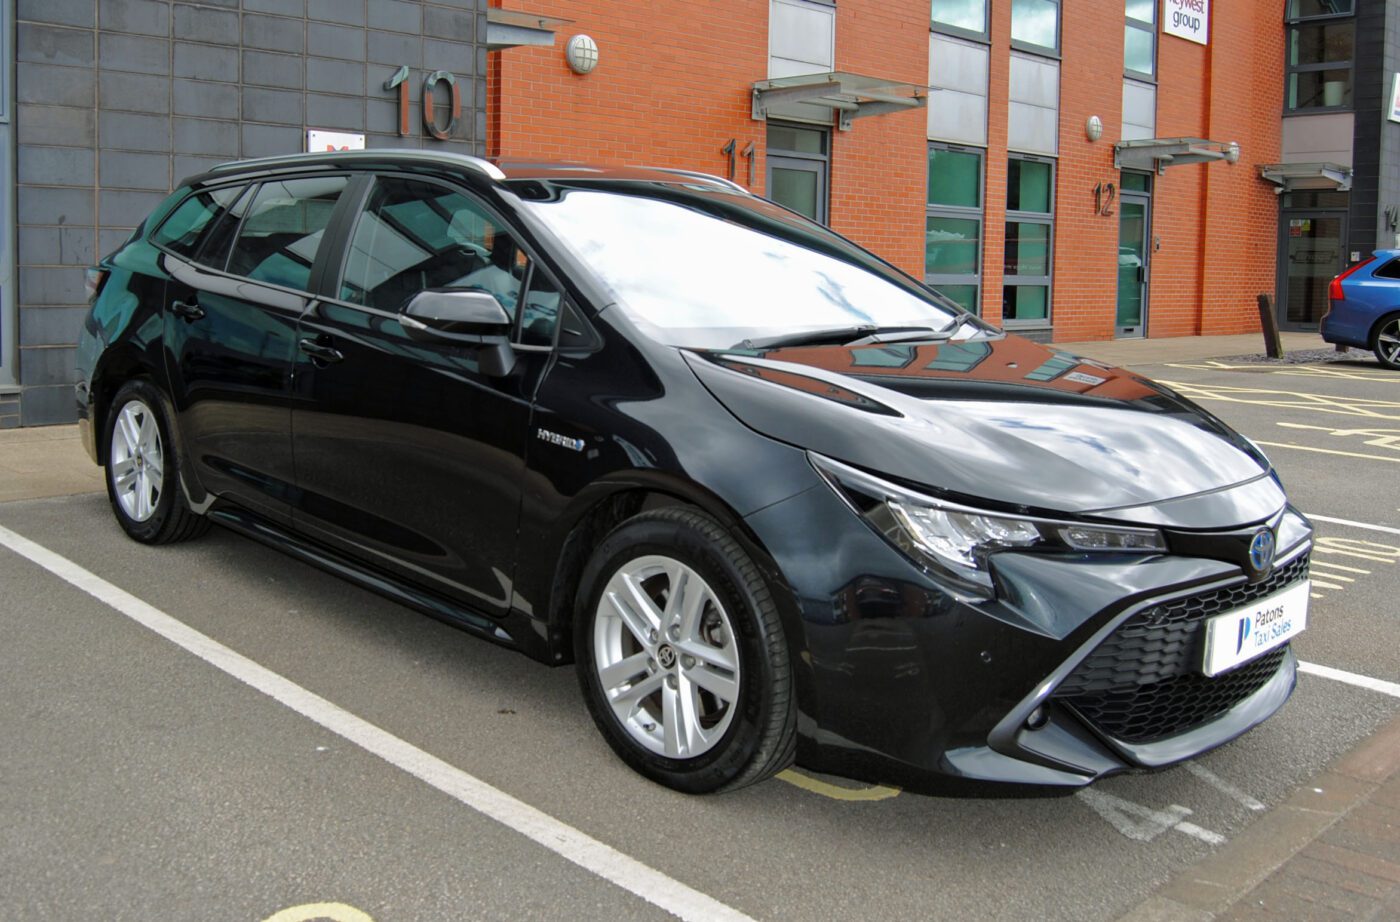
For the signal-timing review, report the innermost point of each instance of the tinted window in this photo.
(282, 232)
(189, 224)
(1390, 270)
(415, 235)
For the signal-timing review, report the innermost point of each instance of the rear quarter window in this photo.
(187, 227)
(1390, 270)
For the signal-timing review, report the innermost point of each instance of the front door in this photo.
(408, 454)
(1134, 220)
(1312, 251)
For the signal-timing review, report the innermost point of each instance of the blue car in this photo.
(1364, 307)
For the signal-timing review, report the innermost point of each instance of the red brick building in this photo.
(969, 159)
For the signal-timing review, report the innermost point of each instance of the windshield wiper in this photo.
(845, 336)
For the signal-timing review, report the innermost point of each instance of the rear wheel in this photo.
(143, 481)
(1385, 343)
(682, 657)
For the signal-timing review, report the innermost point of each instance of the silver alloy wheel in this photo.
(666, 657)
(1388, 343)
(137, 461)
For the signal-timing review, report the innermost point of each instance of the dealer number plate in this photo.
(1239, 636)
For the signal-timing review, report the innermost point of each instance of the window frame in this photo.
(979, 214)
(1144, 26)
(1293, 24)
(1046, 218)
(1031, 47)
(334, 272)
(985, 36)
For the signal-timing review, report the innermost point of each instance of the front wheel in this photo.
(681, 654)
(143, 481)
(1386, 343)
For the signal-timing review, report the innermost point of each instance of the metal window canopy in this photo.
(512, 28)
(834, 97)
(1293, 176)
(1156, 154)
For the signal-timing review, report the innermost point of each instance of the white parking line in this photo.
(1223, 786)
(1351, 678)
(562, 839)
(1365, 525)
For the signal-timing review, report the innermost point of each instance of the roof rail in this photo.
(476, 164)
(695, 174)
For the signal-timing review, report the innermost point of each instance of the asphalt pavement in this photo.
(216, 731)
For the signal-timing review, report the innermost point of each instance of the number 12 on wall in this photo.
(430, 82)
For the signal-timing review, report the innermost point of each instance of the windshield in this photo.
(701, 267)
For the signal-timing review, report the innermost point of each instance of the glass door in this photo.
(797, 164)
(1312, 251)
(1134, 219)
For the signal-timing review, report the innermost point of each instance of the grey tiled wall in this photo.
(118, 100)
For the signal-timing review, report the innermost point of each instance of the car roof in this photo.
(450, 162)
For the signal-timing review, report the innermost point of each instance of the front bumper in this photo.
(899, 682)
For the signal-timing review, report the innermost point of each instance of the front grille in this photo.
(1143, 683)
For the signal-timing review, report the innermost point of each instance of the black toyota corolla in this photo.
(774, 498)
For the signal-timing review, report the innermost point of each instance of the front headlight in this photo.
(955, 540)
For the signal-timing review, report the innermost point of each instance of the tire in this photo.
(1385, 342)
(698, 695)
(142, 468)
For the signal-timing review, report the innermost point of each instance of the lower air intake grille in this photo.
(1143, 683)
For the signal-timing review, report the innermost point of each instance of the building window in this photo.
(953, 224)
(1030, 225)
(801, 38)
(1321, 48)
(1140, 38)
(960, 17)
(1035, 25)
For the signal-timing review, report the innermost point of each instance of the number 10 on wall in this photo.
(430, 117)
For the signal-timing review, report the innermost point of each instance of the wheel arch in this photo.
(607, 504)
(1382, 320)
(117, 366)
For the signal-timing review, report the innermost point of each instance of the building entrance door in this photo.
(797, 164)
(1134, 220)
(1312, 250)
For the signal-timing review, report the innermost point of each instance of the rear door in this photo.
(408, 455)
(230, 331)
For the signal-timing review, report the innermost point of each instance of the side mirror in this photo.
(458, 313)
(465, 318)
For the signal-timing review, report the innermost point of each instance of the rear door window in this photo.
(280, 236)
(415, 235)
(192, 221)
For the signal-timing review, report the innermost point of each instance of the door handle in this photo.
(190, 310)
(322, 354)
(1142, 274)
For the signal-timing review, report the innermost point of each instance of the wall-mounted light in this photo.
(1093, 128)
(1232, 153)
(582, 54)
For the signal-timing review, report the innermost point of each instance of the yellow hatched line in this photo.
(1330, 451)
(833, 791)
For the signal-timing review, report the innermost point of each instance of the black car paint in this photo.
(374, 466)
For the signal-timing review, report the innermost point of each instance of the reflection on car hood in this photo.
(1006, 420)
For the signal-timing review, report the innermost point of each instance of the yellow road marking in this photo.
(1290, 400)
(1325, 585)
(836, 792)
(1376, 438)
(1297, 371)
(1329, 451)
(1339, 566)
(336, 912)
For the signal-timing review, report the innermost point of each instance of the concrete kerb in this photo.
(1212, 886)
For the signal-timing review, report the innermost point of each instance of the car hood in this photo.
(1004, 420)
